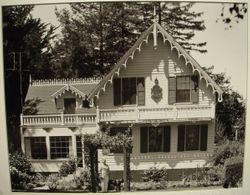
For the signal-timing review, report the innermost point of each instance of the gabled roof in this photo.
(154, 29)
(71, 88)
(47, 90)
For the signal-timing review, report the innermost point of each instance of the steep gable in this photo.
(155, 29)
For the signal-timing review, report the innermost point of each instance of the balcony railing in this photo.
(58, 119)
(180, 112)
(132, 114)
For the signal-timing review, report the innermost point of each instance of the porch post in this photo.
(73, 137)
(83, 156)
(48, 147)
(22, 140)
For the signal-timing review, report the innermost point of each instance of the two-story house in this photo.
(157, 89)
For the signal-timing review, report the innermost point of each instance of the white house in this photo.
(157, 89)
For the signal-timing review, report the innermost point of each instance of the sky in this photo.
(227, 48)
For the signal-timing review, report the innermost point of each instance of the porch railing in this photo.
(58, 119)
(161, 113)
(133, 114)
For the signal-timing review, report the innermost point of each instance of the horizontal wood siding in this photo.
(158, 63)
(172, 159)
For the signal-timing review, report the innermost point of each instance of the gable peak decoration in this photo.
(156, 92)
(71, 88)
(156, 29)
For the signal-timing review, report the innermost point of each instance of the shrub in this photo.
(20, 171)
(154, 174)
(53, 182)
(226, 150)
(147, 186)
(66, 185)
(68, 167)
(223, 154)
(141, 186)
(233, 171)
(83, 181)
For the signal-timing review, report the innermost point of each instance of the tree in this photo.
(96, 35)
(26, 51)
(230, 113)
(232, 13)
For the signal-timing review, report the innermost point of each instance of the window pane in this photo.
(192, 137)
(59, 146)
(155, 139)
(140, 91)
(128, 91)
(183, 83)
(183, 89)
(38, 148)
(183, 96)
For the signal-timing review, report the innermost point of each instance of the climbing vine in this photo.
(102, 140)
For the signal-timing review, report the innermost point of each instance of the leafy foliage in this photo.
(233, 12)
(30, 106)
(230, 113)
(104, 140)
(53, 182)
(154, 174)
(96, 35)
(233, 170)
(20, 171)
(68, 167)
(22, 33)
(223, 156)
(20, 162)
(83, 181)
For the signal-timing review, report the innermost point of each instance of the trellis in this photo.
(102, 140)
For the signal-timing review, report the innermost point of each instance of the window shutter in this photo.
(194, 89)
(117, 92)
(203, 141)
(181, 137)
(166, 146)
(59, 103)
(144, 139)
(140, 91)
(171, 90)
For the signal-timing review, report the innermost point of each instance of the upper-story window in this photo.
(183, 89)
(129, 91)
(69, 105)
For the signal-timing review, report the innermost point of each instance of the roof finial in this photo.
(154, 30)
(154, 14)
